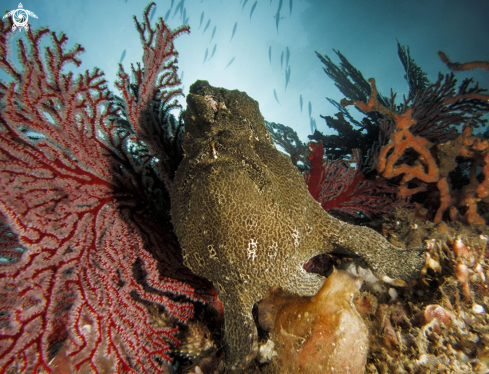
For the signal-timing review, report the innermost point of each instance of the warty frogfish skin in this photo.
(245, 219)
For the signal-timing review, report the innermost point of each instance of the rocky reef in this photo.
(246, 221)
(440, 323)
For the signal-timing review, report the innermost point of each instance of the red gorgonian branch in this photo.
(337, 185)
(69, 191)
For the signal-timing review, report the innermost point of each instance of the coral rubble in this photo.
(440, 324)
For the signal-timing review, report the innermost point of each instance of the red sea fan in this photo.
(69, 191)
(10, 249)
(337, 185)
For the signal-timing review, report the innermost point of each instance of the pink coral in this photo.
(70, 192)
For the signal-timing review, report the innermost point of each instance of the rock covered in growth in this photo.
(319, 334)
(441, 323)
(246, 221)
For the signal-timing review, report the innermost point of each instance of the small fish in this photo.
(287, 77)
(282, 61)
(182, 9)
(280, 5)
(270, 54)
(275, 95)
(179, 7)
(185, 21)
(206, 26)
(167, 14)
(287, 56)
(310, 109)
(253, 8)
(172, 1)
(201, 19)
(184, 14)
(313, 125)
(206, 53)
(181, 76)
(152, 13)
(244, 4)
(230, 62)
(213, 33)
(277, 16)
(213, 51)
(300, 101)
(122, 57)
(234, 30)
(277, 20)
(290, 6)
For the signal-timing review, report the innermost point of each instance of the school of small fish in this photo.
(284, 54)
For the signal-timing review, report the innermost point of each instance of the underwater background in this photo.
(365, 32)
(151, 221)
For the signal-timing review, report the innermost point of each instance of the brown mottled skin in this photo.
(246, 221)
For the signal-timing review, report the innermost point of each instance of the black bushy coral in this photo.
(438, 117)
(350, 134)
(415, 76)
(287, 139)
(347, 78)
(439, 108)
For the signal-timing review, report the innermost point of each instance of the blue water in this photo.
(365, 31)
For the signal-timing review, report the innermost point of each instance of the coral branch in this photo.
(69, 191)
(457, 66)
(410, 154)
(336, 185)
(402, 139)
(157, 82)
